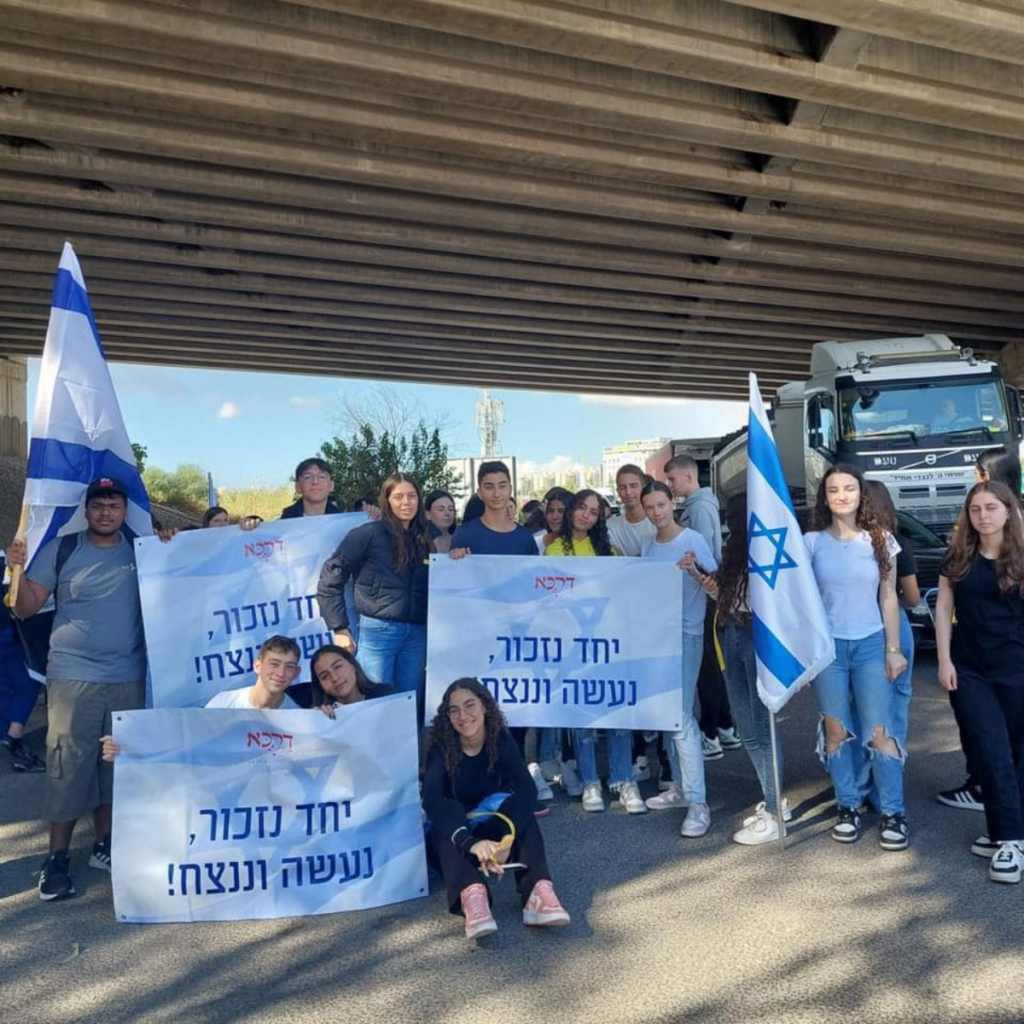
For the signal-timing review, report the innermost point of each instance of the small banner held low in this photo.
(226, 815)
(577, 642)
(211, 597)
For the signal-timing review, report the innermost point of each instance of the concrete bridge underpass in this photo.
(636, 196)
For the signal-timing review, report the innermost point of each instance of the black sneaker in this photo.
(895, 833)
(966, 798)
(847, 827)
(101, 855)
(55, 877)
(23, 760)
(984, 847)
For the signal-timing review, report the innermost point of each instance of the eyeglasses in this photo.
(314, 478)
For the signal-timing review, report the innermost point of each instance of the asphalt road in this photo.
(664, 929)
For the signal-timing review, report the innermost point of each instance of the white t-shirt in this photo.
(694, 599)
(848, 578)
(240, 699)
(629, 537)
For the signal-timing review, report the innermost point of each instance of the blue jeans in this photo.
(18, 690)
(902, 687)
(684, 753)
(620, 755)
(855, 692)
(548, 748)
(749, 714)
(394, 653)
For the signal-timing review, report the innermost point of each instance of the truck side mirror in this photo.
(814, 423)
(1013, 400)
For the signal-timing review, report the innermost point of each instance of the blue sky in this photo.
(252, 428)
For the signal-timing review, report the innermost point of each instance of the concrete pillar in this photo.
(13, 403)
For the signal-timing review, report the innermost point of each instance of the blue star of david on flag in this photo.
(792, 636)
(777, 539)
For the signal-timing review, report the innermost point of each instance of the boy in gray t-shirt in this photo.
(97, 665)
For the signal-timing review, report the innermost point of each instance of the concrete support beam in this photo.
(13, 412)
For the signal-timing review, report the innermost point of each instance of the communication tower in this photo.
(490, 415)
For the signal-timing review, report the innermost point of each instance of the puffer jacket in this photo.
(366, 556)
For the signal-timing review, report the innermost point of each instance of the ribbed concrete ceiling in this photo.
(645, 197)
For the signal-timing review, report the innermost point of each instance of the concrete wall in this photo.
(13, 421)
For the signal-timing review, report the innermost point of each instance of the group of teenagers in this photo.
(482, 797)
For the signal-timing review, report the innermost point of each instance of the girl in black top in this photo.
(337, 678)
(983, 659)
(473, 761)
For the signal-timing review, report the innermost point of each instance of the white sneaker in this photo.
(550, 770)
(711, 749)
(630, 798)
(543, 789)
(787, 813)
(729, 740)
(570, 779)
(698, 821)
(763, 829)
(593, 797)
(667, 801)
(1007, 864)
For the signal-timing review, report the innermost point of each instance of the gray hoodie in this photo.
(700, 513)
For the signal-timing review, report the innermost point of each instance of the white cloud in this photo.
(559, 465)
(306, 401)
(228, 411)
(633, 401)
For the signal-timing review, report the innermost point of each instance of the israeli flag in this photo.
(78, 434)
(792, 637)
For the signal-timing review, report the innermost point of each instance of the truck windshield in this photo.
(921, 408)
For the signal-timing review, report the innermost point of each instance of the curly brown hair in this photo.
(964, 543)
(598, 533)
(868, 518)
(443, 733)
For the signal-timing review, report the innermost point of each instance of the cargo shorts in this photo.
(78, 714)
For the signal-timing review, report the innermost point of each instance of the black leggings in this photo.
(714, 701)
(460, 870)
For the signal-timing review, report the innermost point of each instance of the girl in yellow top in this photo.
(584, 533)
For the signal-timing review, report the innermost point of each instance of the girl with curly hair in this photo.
(584, 532)
(472, 763)
(853, 557)
(982, 659)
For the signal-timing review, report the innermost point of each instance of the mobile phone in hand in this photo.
(700, 568)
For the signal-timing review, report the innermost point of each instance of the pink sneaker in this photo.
(477, 910)
(543, 908)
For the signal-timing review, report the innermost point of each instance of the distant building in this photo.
(613, 457)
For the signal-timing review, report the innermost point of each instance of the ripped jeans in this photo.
(855, 691)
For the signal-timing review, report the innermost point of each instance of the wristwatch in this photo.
(893, 650)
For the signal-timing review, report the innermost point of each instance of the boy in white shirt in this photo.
(276, 669)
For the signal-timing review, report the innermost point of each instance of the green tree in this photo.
(141, 454)
(183, 489)
(361, 464)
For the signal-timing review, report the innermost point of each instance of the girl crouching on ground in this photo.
(473, 763)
